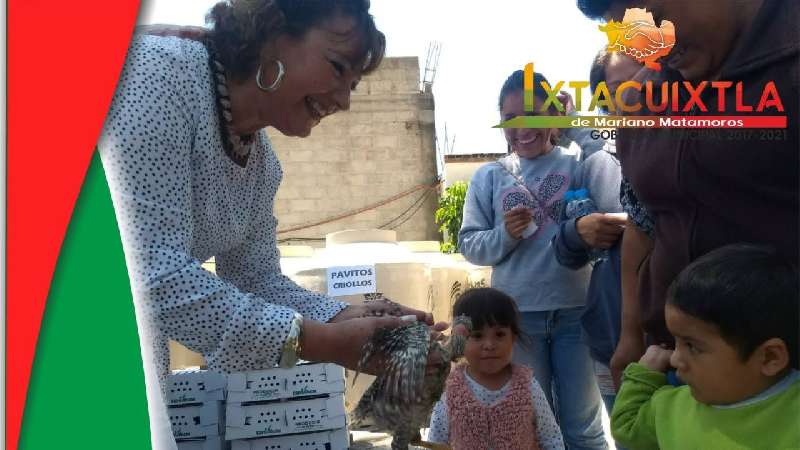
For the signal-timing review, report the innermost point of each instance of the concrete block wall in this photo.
(383, 146)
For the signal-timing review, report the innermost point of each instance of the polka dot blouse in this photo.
(546, 426)
(180, 200)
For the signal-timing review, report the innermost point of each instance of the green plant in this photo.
(450, 213)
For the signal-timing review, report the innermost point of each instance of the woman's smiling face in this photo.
(322, 68)
(527, 143)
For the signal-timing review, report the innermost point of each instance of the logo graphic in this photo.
(638, 37)
(268, 430)
(705, 103)
(304, 391)
(184, 399)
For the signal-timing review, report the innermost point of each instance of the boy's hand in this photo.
(656, 358)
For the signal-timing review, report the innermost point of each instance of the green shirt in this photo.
(649, 414)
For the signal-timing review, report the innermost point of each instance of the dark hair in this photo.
(516, 83)
(488, 306)
(597, 73)
(594, 9)
(242, 27)
(749, 292)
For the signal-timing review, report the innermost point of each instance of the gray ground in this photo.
(372, 441)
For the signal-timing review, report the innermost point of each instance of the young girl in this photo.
(513, 212)
(490, 403)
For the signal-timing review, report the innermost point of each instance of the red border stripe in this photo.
(63, 63)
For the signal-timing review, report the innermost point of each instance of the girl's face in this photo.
(488, 350)
(528, 143)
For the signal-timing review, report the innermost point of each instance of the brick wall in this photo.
(383, 146)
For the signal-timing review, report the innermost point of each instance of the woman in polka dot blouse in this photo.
(193, 175)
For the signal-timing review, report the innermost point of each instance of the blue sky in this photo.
(482, 43)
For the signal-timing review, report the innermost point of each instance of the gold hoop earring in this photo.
(275, 84)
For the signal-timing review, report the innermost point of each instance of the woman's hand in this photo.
(342, 339)
(185, 32)
(384, 307)
(629, 349)
(516, 220)
(341, 342)
(656, 358)
(600, 230)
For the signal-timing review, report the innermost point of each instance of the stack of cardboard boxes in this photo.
(297, 408)
(196, 404)
(301, 408)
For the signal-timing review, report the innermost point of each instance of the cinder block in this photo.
(303, 205)
(386, 141)
(300, 155)
(360, 130)
(358, 180)
(382, 87)
(289, 192)
(405, 115)
(427, 116)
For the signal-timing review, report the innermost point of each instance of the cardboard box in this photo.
(197, 421)
(209, 443)
(275, 384)
(278, 418)
(326, 440)
(195, 386)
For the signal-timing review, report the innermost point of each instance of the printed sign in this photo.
(351, 280)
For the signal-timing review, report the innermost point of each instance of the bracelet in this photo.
(291, 347)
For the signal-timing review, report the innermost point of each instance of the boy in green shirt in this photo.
(734, 314)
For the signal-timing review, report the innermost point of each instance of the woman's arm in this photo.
(254, 266)
(342, 342)
(636, 246)
(481, 239)
(600, 175)
(147, 152)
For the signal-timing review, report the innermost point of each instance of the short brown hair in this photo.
(242, 27)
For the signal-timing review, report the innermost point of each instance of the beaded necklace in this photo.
(236, 146)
